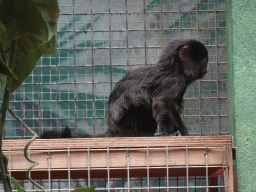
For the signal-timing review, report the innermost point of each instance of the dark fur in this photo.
(56, 134)
(151, 96)
(66, 133)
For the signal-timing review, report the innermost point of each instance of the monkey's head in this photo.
(190, 57)
(194, 58)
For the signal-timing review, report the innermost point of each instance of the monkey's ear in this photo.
(184, 53)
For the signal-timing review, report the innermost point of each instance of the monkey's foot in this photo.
(177, 133)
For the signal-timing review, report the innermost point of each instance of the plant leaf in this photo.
(17, 185)
(4, 69)
(89, 189)
(32, 23)
(2, 85)
(49, 46)
(5, 42)
(38, 17)
(29, 50)
(49, 10)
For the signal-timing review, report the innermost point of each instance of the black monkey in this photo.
(66, 133)
(151, 96)
(56, 134)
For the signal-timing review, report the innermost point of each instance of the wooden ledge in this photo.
(109, 157)
(117, 142)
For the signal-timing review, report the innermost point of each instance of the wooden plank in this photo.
(229, 172)
(110, 155)
(117, 158)
(83, 143)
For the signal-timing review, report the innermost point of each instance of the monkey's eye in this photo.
(204, 62)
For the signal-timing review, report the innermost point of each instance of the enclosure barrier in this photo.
(129, 157)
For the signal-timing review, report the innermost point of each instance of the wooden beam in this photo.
(78, 143)
(140, 156)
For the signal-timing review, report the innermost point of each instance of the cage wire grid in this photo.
(129, 182)
(99, 41)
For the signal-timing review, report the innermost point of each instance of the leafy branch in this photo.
(27, 31)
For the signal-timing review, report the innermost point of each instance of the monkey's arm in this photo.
(167, 105)
(168, 117)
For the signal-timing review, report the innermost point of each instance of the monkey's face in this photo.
(195, 69)
(201, 68)
(194, 58)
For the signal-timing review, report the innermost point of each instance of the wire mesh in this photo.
(99, 41)
(142, 170)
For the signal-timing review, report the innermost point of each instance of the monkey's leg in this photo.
(137, 122)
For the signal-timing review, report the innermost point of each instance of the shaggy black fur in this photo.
(151, 96)
(66, 133)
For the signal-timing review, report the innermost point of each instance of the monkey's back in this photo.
(127, 93)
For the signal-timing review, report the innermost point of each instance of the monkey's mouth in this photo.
(202, 74)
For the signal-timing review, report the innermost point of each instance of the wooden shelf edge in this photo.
(118, 142)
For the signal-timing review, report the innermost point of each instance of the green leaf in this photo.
(49, 10)
(29, 50)
(37, 17)
(90, 189)
(49, 47)
(32, 23)
(5, 42)
(2, 85)
(4, 69)
(17, 185)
